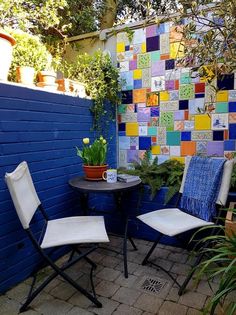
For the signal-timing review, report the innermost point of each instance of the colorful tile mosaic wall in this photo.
(163, 104)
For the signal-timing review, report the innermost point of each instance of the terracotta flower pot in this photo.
(94, 172)
(25, 75)
(6, 46)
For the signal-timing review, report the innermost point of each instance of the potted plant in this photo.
(101, 79)
(29, 55)
(94, 158)
(6, 46)
(220, 250)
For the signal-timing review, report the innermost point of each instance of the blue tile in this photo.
(185, 136)
(232, 131)
(145, 143)
(137, 84)
(121, 127)
(161, 28)
(199, 95)
(226, 82)
(127, 48)
(232, 107)
(218, 135)
(155, 111)
(122, 133)
(229, 145)
(183, 104)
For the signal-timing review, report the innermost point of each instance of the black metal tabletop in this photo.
(83, 185)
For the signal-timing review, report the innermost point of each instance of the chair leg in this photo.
(125, 249)
(60, 271)
(145, 261)
(186, 281)
(132, 243)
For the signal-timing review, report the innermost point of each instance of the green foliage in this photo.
(101, 79)
(167, 174)
(28, 51)
(212, 41)
(95, 153)
(221, 250)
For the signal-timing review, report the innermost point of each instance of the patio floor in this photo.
(119, 296)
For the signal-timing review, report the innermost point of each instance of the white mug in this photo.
(110, 176)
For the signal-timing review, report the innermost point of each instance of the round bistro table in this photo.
(120, 191)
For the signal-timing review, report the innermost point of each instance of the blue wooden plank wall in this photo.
(43, 129)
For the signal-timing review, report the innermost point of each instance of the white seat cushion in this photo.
(75, 230)
(172, 221)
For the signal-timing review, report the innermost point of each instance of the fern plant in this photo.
(167, 174)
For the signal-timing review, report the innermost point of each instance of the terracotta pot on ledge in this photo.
(94, 172)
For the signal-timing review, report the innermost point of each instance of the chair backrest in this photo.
(225, 182)
(23, 193)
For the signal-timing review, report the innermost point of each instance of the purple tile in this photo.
(143, 114)
(158, 68)
(133, 64)
(153, 43)
(151, 31)
(215, 148)
(132, 156)
(170, 85)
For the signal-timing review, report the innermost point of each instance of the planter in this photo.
(47, 77)
(94, 172)
(71, 86)
(25, 75)
(6, 45)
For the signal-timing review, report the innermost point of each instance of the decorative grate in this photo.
(153, 285)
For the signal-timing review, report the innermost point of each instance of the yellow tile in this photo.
(176, 50)
(137, 74)
(222, 96)
(202, 122)
(131, 129)
(143, 48)
(120, 47)
(156, 149)
(178, 158)
(207, 74)
(164, 96)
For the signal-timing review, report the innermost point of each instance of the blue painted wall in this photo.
(43, 129)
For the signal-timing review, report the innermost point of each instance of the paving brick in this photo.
(55, 307)
(171, 308)
(132, 267)
(127, 310)
(148, 302)
(192, 311)
(193, 299)
(78, 311)
(126, 296)
(19, 293)
(63, 291)
(205, 288)
(173, 295)
(108, 307)
(110, 261)
(108, 274)
(178, 257)
(181, 269)
(10, 307)
(126, 282)
(80, 300)
(52, 285)
(32, 312)
(106, 288)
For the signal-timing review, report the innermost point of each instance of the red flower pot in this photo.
(94, 172)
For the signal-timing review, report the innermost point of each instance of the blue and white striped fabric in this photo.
(202, 186)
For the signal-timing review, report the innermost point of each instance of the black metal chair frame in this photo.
(199, 257)
(59, 270)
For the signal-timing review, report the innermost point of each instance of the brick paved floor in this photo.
(118, 295)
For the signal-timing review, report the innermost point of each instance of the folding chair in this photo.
(59, 232)
(174, 221)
